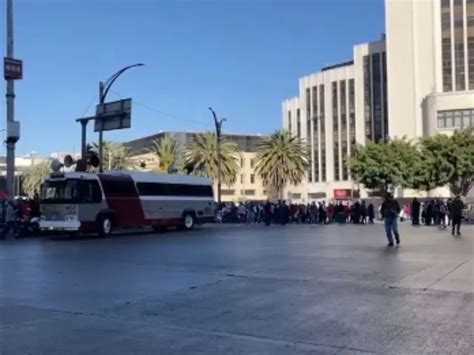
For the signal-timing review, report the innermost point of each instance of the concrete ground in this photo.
(240, 290)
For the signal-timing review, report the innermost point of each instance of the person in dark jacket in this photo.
(415, 212)
(370, 213)
(429, 212)
(390, 211)
(456, 210)
(267, 213)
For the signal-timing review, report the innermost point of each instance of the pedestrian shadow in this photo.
(390, 250)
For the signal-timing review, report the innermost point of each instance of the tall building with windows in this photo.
(430, 58)
(416, 81)
(338, 107)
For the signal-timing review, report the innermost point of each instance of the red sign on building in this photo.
(342, 194)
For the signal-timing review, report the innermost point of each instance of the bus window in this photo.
(71, 191)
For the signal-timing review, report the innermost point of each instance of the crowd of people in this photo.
(283, 213)
(437, 212)
(17, 217)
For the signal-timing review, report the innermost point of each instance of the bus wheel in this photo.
(104, 226)
(188, 221)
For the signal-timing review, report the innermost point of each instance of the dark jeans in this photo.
(457, 224)
(415, 219)
(391, 225)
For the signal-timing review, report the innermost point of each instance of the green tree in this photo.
(281, 159)
(167, 151)
(202, 155)
(33, 176)
(448, 160)
(115, 155)
(384, 165)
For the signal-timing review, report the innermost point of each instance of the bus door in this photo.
(122, 198)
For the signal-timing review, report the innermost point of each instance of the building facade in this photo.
(430, 54)
(337, 108)
(248, 185)
(417, 80)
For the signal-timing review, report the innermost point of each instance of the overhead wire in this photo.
(162, 113)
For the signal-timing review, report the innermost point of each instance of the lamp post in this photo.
(218, 124)
(10, 96)
(104, 88)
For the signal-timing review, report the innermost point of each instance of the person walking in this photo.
(415, 212)
(363, 213)
(267, 213)
(371, 213)
(390, 211)
(10, 221)
(456, 209)
(322, 213)
(442, 214)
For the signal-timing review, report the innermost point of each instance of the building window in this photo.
(352, 128)
(289, 122)
(335, 126)
(344, 130)
(252, 163)
(367, 99)
(446, 45)
(298, 123)
(308, 132)
(227, 192)
(470, 41)
(377, 96)
(456, 119)
(242, 162)
(384, 96)
(241, 178)
(322, 125)
(458, 18)
(315, 135)
(252, 178)
(249, 192)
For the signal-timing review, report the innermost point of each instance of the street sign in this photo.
(12, 69)
(113, 115)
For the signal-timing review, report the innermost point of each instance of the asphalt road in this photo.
(240, 290)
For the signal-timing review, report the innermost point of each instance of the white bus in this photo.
(89, 202)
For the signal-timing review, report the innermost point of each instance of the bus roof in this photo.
(140, 176)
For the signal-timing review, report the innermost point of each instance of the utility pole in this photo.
(218, 124)
(13, 71)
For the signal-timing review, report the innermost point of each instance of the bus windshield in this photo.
(71, 191)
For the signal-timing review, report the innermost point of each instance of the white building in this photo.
(338, 107)
(430, 57)
(417, 81)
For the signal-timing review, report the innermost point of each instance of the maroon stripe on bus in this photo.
(122, 199)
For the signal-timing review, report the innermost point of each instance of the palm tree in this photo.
(167, 151)
(114, 155)
(201, 154)
(33, 177)
(281, 159)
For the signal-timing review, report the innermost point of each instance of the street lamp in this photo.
(104, 88)
(218, 124)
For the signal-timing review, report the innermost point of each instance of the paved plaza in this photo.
(233, 289)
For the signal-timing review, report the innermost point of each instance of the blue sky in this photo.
(242, 57)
